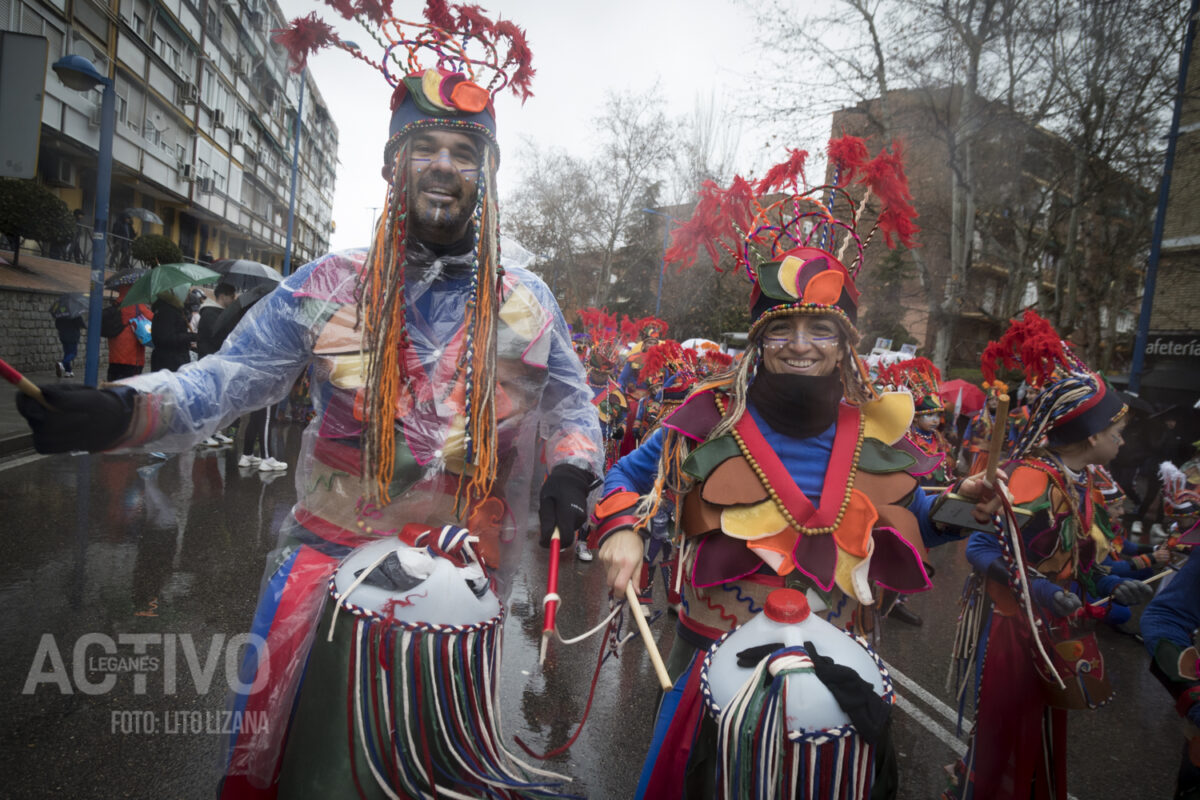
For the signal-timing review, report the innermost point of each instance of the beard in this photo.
(440, 207)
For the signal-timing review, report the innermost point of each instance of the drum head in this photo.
(412, 584)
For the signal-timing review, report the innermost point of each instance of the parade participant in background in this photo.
(781, 471)
(647, 332)
(438, 366)
(924, 442)
(979, 429)
(1014, 630)
(69, 327)
(603, 356)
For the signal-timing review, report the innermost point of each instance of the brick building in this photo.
(1017, 258)
(1173, 349)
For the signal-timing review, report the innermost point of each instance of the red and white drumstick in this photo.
(22, 383)
(550, 601)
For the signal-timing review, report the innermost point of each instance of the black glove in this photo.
(83, 418)
(564, 503)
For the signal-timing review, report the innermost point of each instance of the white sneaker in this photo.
(1136, 527)
(210, 442)
(271, 465)
(249, 461)
(222, 438)
(58, 369)
(582, 552)
(1157, 534)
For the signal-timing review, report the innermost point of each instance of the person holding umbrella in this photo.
(67, 311)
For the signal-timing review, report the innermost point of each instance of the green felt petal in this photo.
(705, 458)
(876, 456)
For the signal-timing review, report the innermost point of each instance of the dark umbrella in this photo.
(125, 277)
(69, 304)
(233, 313)
(244, 274)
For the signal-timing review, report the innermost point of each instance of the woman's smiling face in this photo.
(802, 344)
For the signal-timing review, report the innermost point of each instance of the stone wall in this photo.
(28, 338)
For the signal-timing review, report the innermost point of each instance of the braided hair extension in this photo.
(380, 297)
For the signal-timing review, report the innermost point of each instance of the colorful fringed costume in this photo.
(445, 382)
(807, 492)
(1012, 635)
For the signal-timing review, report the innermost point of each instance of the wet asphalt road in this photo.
(96, 548)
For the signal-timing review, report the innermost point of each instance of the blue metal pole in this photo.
(1164, 192)
(91, 375)
(287, 256)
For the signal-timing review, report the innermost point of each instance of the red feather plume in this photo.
(784, 174)
(305, 36)
(1031, 345)
(849, 154)
(473, 21)
(343, 7)
(885, 175)
(437, 13)
(518, 54)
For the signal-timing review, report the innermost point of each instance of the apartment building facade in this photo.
(205, 122)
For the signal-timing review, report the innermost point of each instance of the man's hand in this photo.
(987, 497)
(83, 418)
(1162, 556)
(564, 504)
(621, 554)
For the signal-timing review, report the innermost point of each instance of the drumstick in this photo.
(651, 646)
(999, 429)
(550, 601)
(22, 383)
(1151, 579)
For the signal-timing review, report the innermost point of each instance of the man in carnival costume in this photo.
(1014, 632)
(782, 470)
(436, 366)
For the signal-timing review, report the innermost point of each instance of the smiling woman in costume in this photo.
(781, 469)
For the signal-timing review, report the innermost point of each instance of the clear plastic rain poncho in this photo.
(544, 418)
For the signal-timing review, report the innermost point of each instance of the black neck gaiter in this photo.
(799, 406)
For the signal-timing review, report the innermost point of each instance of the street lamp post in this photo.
(287, 256)
(77, 73)
(666, 240)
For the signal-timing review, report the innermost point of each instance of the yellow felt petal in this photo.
(860, 577)
(843, 572)
(776, 550)
(522, 313)
(752, 522)
(888, 417)
(788, 271)
(454, 448)
(853, 534)
(347, 371)
(431, 84)
(824, 287)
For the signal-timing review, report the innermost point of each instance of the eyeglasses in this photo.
(779, 339)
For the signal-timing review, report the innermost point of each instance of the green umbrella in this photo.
(166, 277)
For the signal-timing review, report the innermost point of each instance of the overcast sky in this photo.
(694, 49)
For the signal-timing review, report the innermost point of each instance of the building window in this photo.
(1030, 298)
(139, 25)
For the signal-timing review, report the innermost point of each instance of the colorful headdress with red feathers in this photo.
(444, 70)
(917, 376)
(1072, 401)
(607, 341)
(787, 245)
(650, 327)
(669, 370)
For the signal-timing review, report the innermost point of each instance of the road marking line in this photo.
(947, 738)
(19, 461)
(916, 689)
